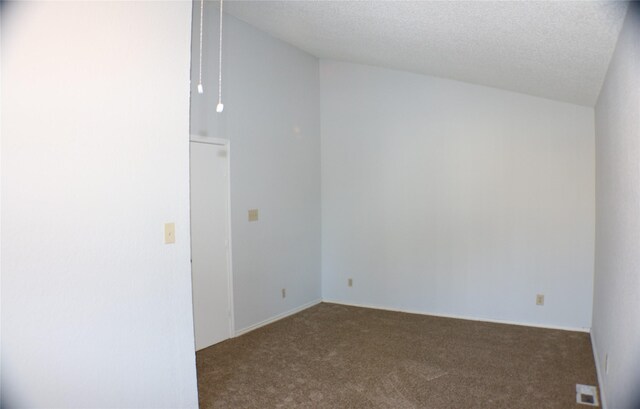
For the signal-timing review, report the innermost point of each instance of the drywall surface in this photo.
(272, 118)
(616, 305)
(448, 198)
(96, 309)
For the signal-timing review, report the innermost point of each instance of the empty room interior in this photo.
(320, 204)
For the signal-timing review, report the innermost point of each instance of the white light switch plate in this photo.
(169, 233)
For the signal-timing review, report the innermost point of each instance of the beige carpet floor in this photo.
(334, 356)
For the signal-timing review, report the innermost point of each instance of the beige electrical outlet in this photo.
(169, 233)
(351, 282)
(540, 299)
(253, 215)
(284, 293)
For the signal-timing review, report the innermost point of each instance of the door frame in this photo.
(221, 142)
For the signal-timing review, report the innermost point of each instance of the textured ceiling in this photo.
(558, 50)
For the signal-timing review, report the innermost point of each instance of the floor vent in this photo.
(587, 395)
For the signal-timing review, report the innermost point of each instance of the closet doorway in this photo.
(210, 241)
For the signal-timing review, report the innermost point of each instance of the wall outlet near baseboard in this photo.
(284, 293)
(350, 282)
(540, 299)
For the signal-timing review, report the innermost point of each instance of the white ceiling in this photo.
(558, 50)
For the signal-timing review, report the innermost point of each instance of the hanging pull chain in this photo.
(200, 87)
(220, 105)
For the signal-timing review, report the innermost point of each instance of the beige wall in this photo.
(616, 308)
(96, 309)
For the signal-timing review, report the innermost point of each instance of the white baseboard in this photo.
(276, 317)
(603, 400)
(459, 317)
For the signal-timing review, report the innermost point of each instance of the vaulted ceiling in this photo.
(552, 49)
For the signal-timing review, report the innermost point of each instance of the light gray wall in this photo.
(449, 198)
(96, 309)
(616, 308)
(271, 117)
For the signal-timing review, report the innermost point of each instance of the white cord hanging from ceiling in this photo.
(220, 105)
(200, 87)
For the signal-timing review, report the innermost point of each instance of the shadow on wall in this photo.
(5, 398)
(5, 13)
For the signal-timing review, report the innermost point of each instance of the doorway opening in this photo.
(211, 272)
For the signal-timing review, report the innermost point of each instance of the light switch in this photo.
(253, 215)
(169, 233)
